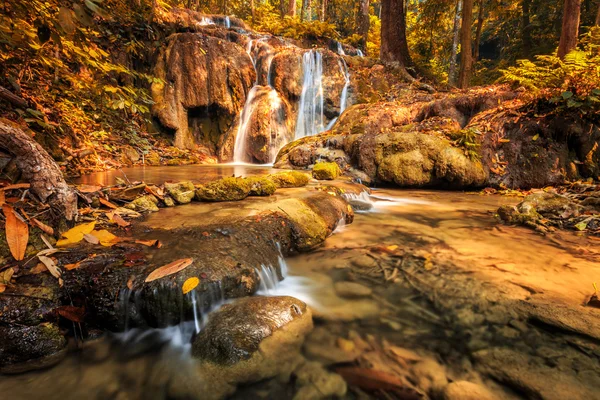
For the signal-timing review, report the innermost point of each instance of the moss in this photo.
(182, 192)
(144, 203)
(290, 179)
(227, 189)
(310, 229)
(261, 186)
(326, 171)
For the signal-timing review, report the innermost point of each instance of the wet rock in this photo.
(531, 376)
(200, 73)
(182, 192)
(352, 290)
(261, 186)
(290, 179)
(364, 261)
(430, 376)
(322, 346)
(147, 203)
(326, 171)
(30, 347)
(226, 189)
(315, 382)
(464, 390)
(169, 202)
(250, 340)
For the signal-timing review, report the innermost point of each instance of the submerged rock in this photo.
(147, 203)
(182, 192)
(226, 189)
(290, 179)
(250, 340)
(326, 171)
(315, 382)
(352, 289)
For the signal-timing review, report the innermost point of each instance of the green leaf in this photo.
(567, 95)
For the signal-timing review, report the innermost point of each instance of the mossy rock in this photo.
(227, 189)
(326, 171)
(261, 186)
(144, 203)
(289, 179)
(182, 192)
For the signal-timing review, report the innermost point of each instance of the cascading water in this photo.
(310, 110)
(360, 53)
(227, 22)
(344, 97)
(206, 21)
(340, 49)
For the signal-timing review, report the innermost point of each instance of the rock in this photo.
(169, 202)
(226, 189)
(323, 346)
(130, 155)
(252, 339)
(147, 203)
(129, 193)
(364, 261)
(464, 390)
(430, 376)
(200, 73)
(326, 171)
(182, 192)
(261, 186)
(289, 179)
(23, 348)
(315, 382)
(352, 290)
(531, 376)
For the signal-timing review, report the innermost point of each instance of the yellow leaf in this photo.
(190, 284)
(105, 237)
(392, 247)
(75, 235)
(17, 233)
(169, 269)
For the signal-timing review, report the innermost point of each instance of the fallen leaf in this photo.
(2, 198)
(88, 237)
(73, 266)
(105, 238)
(169, 269)
(75, 235)
(17, 233)
(89, 188)
(2, 287)
(150, 243)
(16, 186)
(107, 203)
(51, 265)
(71, 313)
(38, 269)
(6, 275)
(190, 284)
(117, 219)
(403, 353)
(45, 228)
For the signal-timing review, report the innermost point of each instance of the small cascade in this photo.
(310, 110)
(227, 22)
(239, 150)
(340, 225)
(360, 53)
(346, 72)
(340, 49)
(204, 21)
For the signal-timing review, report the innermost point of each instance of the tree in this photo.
(394, 47)
(306, 14)
(466, 55)
(526, 28)
(363, 24)
(598, 15)
(455, 41)
(480, 20)
(291, 9)
(570, 27)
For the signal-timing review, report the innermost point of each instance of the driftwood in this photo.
(39, 169)
(7, 95)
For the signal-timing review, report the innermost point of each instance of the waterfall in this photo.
(344, 99)
(340, 49)
(310, 110)
(360, 53)
(239, 149)
(227, 22)
(206, 21)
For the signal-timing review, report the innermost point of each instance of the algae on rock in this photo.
(326, 171)
(226, 189)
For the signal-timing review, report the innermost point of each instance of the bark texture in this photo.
(570, 27)
(40, 170)
(455, 42)
(363, 24)
(526, 28)
(394, 47)
(480, 20)
(466, 56)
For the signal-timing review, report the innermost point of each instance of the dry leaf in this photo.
(17, 233)
(2, 287)
(105, 238)
(45, 228)
(190, 284)
(2, 198)
(6, 275)
(150, 243)
(38, 269)
(51, 266)
(70, 267)
(71, 313)
(117, 219)
(88, 237)
(75, 235)
(16, 186)
(169, 269)
(89, 188)
(107, 203)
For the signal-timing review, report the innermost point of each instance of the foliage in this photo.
(469, 140)
(269, 19)
(572, 83)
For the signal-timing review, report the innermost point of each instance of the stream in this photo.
(453, 236)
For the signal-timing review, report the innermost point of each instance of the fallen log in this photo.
(7, 95)
(41, 171)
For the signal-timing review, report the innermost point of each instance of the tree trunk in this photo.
(570, 27)
(291, 9)
(306, 14)
(394, 47)
(598, 15)
(363, 24)
(252, 11)
(323, 10)
(526, 28)
(480, 20)
(466, 52)
(40, 170)
(455, 41)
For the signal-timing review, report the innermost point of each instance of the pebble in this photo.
(352, 290)
(463, 390)
(364, 261)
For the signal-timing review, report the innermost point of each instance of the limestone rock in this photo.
(261, 186)
(147, 203)
(326, 171)
(226, 189)
(289, 179)
(182, 192)
(352, 290)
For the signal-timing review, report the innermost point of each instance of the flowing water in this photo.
(310, 111)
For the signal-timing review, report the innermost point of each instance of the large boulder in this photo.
(251, 340)
(203, 87)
